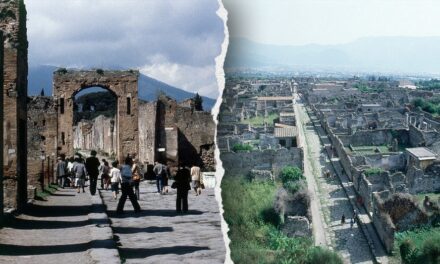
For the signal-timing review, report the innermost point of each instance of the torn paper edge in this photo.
(220, 75)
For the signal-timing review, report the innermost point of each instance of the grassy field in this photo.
(418, 246)
(259, 120)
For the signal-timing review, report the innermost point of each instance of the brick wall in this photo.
(13, 24)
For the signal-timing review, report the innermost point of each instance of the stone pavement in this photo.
(159, 235)
(67, 228)
(349, 242)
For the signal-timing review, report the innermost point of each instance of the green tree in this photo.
(198, 102)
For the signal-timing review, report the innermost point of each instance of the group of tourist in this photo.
(74, 172)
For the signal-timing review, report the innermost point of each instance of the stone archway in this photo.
(123, 84)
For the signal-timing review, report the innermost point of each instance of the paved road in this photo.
(160, 235)
(333, 202)
(55, 231)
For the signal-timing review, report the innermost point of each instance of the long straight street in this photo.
(329, 201)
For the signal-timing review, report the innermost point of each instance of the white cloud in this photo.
(190, 78)
(128, 34)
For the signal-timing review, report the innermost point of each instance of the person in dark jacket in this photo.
(182, 184)
(126, 187)
(92, 167)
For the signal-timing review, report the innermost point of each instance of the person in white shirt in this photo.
(197, 180)
(115, 178)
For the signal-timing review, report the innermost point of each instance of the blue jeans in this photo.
(159, 183)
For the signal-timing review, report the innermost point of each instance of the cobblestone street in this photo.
(59, 230)
(159, 235)
(349, 242)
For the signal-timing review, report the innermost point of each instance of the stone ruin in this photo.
(13, 184)
(387, 150)
(163, 130)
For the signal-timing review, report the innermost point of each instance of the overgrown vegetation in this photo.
(47, 191)
(373, 171)
(254, 224)
(292, 178)
(432, 105)
(364, 88)
(430, 85)
(419, 246)
(242, 147)
(260, 120)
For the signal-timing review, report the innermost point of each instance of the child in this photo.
(115, 178)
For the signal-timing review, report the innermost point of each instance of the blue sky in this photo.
(174, 41)
(298, 22)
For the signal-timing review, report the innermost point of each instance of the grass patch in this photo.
(418, 246)
(260, 120)
(47, 191)
(253, 226)
(373, 171)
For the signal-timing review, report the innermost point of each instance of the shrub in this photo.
(407, 251)
(242, 147)
(322, 255)
(373, 171)
(430, 250)
(290, 173)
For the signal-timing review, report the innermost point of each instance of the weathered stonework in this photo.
(2, 122)
(42, 141)
(98, 134)
(175, 133)
(13, 25)
(123, 84)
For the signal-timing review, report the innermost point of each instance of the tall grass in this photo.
(253, 226)
(419, 246)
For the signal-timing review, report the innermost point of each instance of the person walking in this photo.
(149, 173)
(136, 172)
(105, 174)
(92, 165)
(80, 174)
(165, 177)
(158, 171)
(343, 219)
(61, 172)
(115, 178)
(70, 174)
(182, 182)
(196, 179)
(127, 189)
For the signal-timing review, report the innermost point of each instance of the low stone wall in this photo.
(269, 159)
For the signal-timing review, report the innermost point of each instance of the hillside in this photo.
(40, 77)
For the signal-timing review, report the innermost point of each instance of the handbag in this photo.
(202, 186)
(136, 177)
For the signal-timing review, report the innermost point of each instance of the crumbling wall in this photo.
(147, 131)
(42, 142)
(383, 223)
(15, 70)
(271, 159)
(196, 132)
(98, 134)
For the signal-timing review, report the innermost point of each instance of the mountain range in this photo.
(40, 77)
(374, 54)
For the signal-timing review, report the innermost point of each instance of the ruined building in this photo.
(163, 130)
(15, 70)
